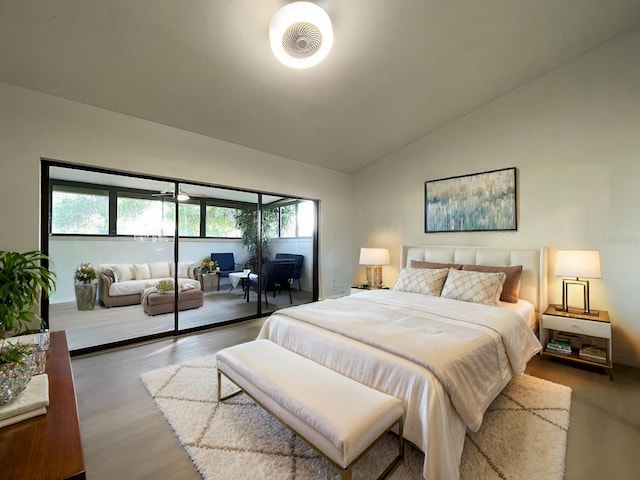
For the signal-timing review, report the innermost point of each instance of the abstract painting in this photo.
(469, 203)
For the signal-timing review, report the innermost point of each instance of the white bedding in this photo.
(397, 342)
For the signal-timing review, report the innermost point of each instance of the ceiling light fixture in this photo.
(182, 196)
(301, 34)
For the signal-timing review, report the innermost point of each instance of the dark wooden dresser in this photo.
(48, 446)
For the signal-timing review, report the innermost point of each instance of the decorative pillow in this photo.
(511, 287)
(159, 270)
(419, 264)
(142, 271)
(109, 272)
(476, 287)
(124, 271)
(421, 280)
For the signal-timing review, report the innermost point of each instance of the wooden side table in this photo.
(47, 446)
(209, 281)
(585, 329)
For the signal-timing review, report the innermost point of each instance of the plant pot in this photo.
(14, 377)
(86, 295)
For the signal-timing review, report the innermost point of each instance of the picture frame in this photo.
(485, 201)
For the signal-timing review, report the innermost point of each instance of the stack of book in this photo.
(593, 354)
(559, 347)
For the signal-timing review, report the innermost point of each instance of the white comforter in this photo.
(446, 359)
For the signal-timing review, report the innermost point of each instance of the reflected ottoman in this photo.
(156, 303)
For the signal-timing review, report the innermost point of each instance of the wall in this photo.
(573, 136)
(35, 126)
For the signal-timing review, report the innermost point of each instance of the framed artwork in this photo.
(470, 203)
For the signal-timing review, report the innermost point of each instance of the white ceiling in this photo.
(398, 69)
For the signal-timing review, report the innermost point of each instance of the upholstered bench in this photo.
(339, 417)
(156, 303)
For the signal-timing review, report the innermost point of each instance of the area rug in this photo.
(523, 434)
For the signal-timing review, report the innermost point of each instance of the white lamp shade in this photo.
(578, 263)
(301, 34)
(374, 256)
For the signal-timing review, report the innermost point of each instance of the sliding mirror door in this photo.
(167, 256)
(122, 228)
(211, 246)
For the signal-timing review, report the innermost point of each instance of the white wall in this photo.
(574, 136)
(35, 126)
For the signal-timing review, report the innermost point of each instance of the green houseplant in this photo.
(22, 280)
(247, 223)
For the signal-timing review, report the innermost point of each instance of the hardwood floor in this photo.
(86, 329)
(126, 437)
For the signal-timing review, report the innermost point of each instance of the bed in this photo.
(446, 358)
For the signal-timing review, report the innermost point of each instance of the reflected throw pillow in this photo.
(421, 280)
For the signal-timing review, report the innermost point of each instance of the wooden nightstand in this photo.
(579, 330)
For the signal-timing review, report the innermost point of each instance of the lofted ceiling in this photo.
(397, 71)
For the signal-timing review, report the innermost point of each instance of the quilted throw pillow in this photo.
(476, 287)
(421, 280)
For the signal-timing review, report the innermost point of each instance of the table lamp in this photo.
(577, 264)
(374, 258)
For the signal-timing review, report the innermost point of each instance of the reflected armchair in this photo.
(297, 269)
(226, 263)
(276, 275)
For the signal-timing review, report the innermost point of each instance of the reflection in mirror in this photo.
(125, 227)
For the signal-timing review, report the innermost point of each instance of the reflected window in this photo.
(306, 218)
(189, 221)
(79, 211)
(145, 217)
(221, 222)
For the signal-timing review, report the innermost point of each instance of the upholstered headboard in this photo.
(533, 286)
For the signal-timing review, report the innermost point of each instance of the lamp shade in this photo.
(578, 263)
(374, 256)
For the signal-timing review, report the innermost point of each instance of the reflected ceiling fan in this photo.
(170, 193)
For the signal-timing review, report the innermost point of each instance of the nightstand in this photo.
(588, 338)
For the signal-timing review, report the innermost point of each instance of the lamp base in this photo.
(374, 276)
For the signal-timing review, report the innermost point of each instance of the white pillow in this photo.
(124, 271)
(160, 270)
(476, 287)
(109, 271)
(142, 271)
(422, 280)
(184, 269)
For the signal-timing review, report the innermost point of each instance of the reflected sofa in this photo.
(122, 284)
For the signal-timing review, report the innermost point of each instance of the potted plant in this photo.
(165, 286)
(208, 266)
(22, 279)
(85, 286)
(247, 223)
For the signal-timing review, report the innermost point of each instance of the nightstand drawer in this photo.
(575, 325)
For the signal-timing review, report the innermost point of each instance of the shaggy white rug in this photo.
(523, 435)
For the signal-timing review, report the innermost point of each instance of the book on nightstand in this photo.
(561, 348)
(593, 354)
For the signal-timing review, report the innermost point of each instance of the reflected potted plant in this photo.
(165, 286)
(208, 266)
(22, 280)
(86, 286)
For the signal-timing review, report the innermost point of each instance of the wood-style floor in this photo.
(126, 437)
(104, 326)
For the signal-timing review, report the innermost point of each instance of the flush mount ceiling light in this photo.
(301, 34)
